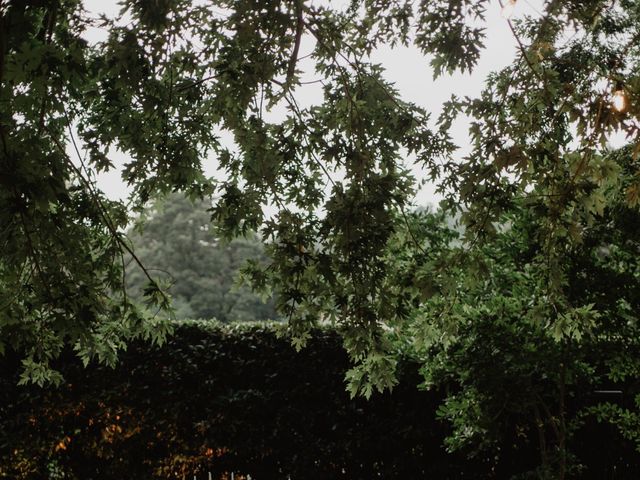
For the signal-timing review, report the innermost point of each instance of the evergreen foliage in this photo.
(179, 244)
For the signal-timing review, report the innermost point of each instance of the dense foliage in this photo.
(221, 399)
(544, 204)
(180, 246)
(162, 86)
(510, 370)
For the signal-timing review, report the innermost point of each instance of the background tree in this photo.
(177, 241)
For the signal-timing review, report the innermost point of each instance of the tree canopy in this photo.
(512, 369)
(173, 76)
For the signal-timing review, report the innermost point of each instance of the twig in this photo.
(34, 255)
(296, 109)
(406, 222)
(51, 19)
(521, 48)
(101, 208)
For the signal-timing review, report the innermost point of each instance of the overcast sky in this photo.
(405, 67)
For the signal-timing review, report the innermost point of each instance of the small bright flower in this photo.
(508, 8)
(619, 100)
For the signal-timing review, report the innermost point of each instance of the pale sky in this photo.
(407, 68)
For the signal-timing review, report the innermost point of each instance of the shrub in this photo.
(228, 398)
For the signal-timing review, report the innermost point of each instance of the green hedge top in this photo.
(227, 398)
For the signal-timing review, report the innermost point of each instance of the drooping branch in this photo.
(107, 220)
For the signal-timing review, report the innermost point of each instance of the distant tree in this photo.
(178, 242)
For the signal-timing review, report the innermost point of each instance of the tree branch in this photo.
(291, 69)
(101, 208)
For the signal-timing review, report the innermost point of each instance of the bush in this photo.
(228, 398)
(220, 399)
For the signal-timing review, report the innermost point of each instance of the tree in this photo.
(161, 86)
(157, 88)
(515, 375)
(178, 241)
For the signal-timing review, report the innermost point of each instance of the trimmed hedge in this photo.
(221, 399)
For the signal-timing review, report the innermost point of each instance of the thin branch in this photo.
(291, 69)
(406, 222)
(84, 167)
(521, 48)
(311, 82)
(96, 199)
(51, 21)
(34, 256)
(182, 88)
(542, 442)
(296, 109)
(20, 287)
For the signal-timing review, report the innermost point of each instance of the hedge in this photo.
(232, 399)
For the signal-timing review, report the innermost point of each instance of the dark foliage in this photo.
(224, 399)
